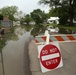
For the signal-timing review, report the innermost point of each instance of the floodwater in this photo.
(40, 30)
(13, 53)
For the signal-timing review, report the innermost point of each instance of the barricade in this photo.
(62, 38)
(40, 39)
(55, 38)
(49, 54)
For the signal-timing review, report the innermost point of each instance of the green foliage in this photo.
(53, 12)
(11, 17)
(70, 6)
(27, 19)
(67, 9)
(51, 3)
(38, 16)
(1, 17)
(9, 11)
(61, 13)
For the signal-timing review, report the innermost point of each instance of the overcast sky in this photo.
(26, 6)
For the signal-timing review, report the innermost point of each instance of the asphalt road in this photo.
(68, 51)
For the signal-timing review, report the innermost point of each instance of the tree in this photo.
(67, 6)
(38, 16)
(70, 6)
(9, 11)
(61, 13)
(51, 3)
(19, 15)
(1, 17)
(27, 19)
(53, 12)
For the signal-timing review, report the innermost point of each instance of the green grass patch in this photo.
(67, 27)
(72, 27)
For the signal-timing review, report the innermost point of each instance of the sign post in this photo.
(50, 57)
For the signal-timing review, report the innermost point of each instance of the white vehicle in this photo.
(51, 29)
(53, 20)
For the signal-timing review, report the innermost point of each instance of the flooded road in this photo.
(13, 54)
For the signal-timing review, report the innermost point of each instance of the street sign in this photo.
(50, 57)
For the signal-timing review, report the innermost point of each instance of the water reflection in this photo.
(16, 33)
(27, 27)
(10, 35)
(20, 31)
(13, 34)
(38, 30)
(2, 43)
(13, 52)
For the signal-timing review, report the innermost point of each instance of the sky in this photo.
(26, 6)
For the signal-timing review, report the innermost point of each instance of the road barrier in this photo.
(40, 39)
(62, 38)
(49, 55)
(46, 39)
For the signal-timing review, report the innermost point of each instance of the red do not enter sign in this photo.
(50, 56)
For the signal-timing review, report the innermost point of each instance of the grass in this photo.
(67, 27)
(72, 27)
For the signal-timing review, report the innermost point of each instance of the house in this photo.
(53, 20)
(6, 23)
